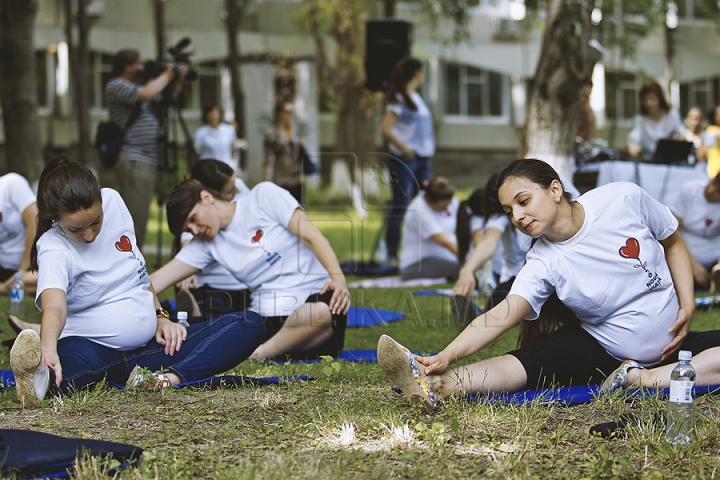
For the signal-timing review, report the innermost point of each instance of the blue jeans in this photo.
(211, 347)
(406, 178)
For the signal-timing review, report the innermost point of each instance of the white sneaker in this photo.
(32, 376)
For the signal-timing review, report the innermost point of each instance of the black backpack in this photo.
(109, 139)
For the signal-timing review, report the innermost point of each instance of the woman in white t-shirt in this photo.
(101, 318)
(17, 231)
(429, 245)
(408, 129)
(656, 120)
(216, 139)
(266, 241)
(608, 279)
(214, 291)
(697, 209)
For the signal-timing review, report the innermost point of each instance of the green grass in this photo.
(293, 430)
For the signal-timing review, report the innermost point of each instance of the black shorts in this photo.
(6, 273)
(214, 302)
(332, 346)
(572, 357)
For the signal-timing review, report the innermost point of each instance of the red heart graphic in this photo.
(124, 244)
(631, 249)
(257, 237)
(708, 222)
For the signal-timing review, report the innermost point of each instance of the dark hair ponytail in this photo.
(473, 206)
(553, 316)
(64, 187)
(214, 174)
(401, 74)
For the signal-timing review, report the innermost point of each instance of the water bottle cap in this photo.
(182, 315)
(18, 276)
(685, 355)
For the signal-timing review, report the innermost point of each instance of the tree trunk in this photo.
(235, 13)
(18, 88)
(79, 63)
(562, 67)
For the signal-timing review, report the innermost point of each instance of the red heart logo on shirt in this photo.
(257, 237)
(708, 222)
(631, 249)
(124, 244)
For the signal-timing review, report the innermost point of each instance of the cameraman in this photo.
(135, 172)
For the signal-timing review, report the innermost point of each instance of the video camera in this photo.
(153, 68)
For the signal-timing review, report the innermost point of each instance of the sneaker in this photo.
(146, 379)
(464, 309)
(619, 378)
(398, 364)
(32, 375)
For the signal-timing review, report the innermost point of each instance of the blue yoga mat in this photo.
(370, 317)
(8, 381)
(571, 395)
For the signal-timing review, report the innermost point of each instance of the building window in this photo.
(205, 90)
(621, 95)
(474, 92)
(699, 93)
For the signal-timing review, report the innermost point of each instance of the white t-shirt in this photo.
(15, 196)
(700, 222)
(215, 275)
(422, 222)
(612, 274)
(515, 246)
(260, 251)
(478, 223)
(106, 281)
(413, 127)
(216, 143)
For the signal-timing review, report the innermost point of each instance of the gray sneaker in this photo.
(32, 376)
(619, 378)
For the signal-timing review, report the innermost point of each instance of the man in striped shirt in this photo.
(135, 172)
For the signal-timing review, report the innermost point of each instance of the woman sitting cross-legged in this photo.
(429, 245)
(101, 318)
(621, 272)
(266, 241)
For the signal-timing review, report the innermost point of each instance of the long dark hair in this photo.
(554, 314)
(401, 74)
(482, 202)
(64, 187)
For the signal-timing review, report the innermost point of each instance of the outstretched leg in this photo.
(706, 364)
(503, 374)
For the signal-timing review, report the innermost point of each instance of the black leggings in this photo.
(571, 356)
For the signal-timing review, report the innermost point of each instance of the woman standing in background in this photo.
(408, 128)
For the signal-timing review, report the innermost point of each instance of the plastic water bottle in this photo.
(17, 297)
(681, 402)
(182, 319)
(382, 252)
